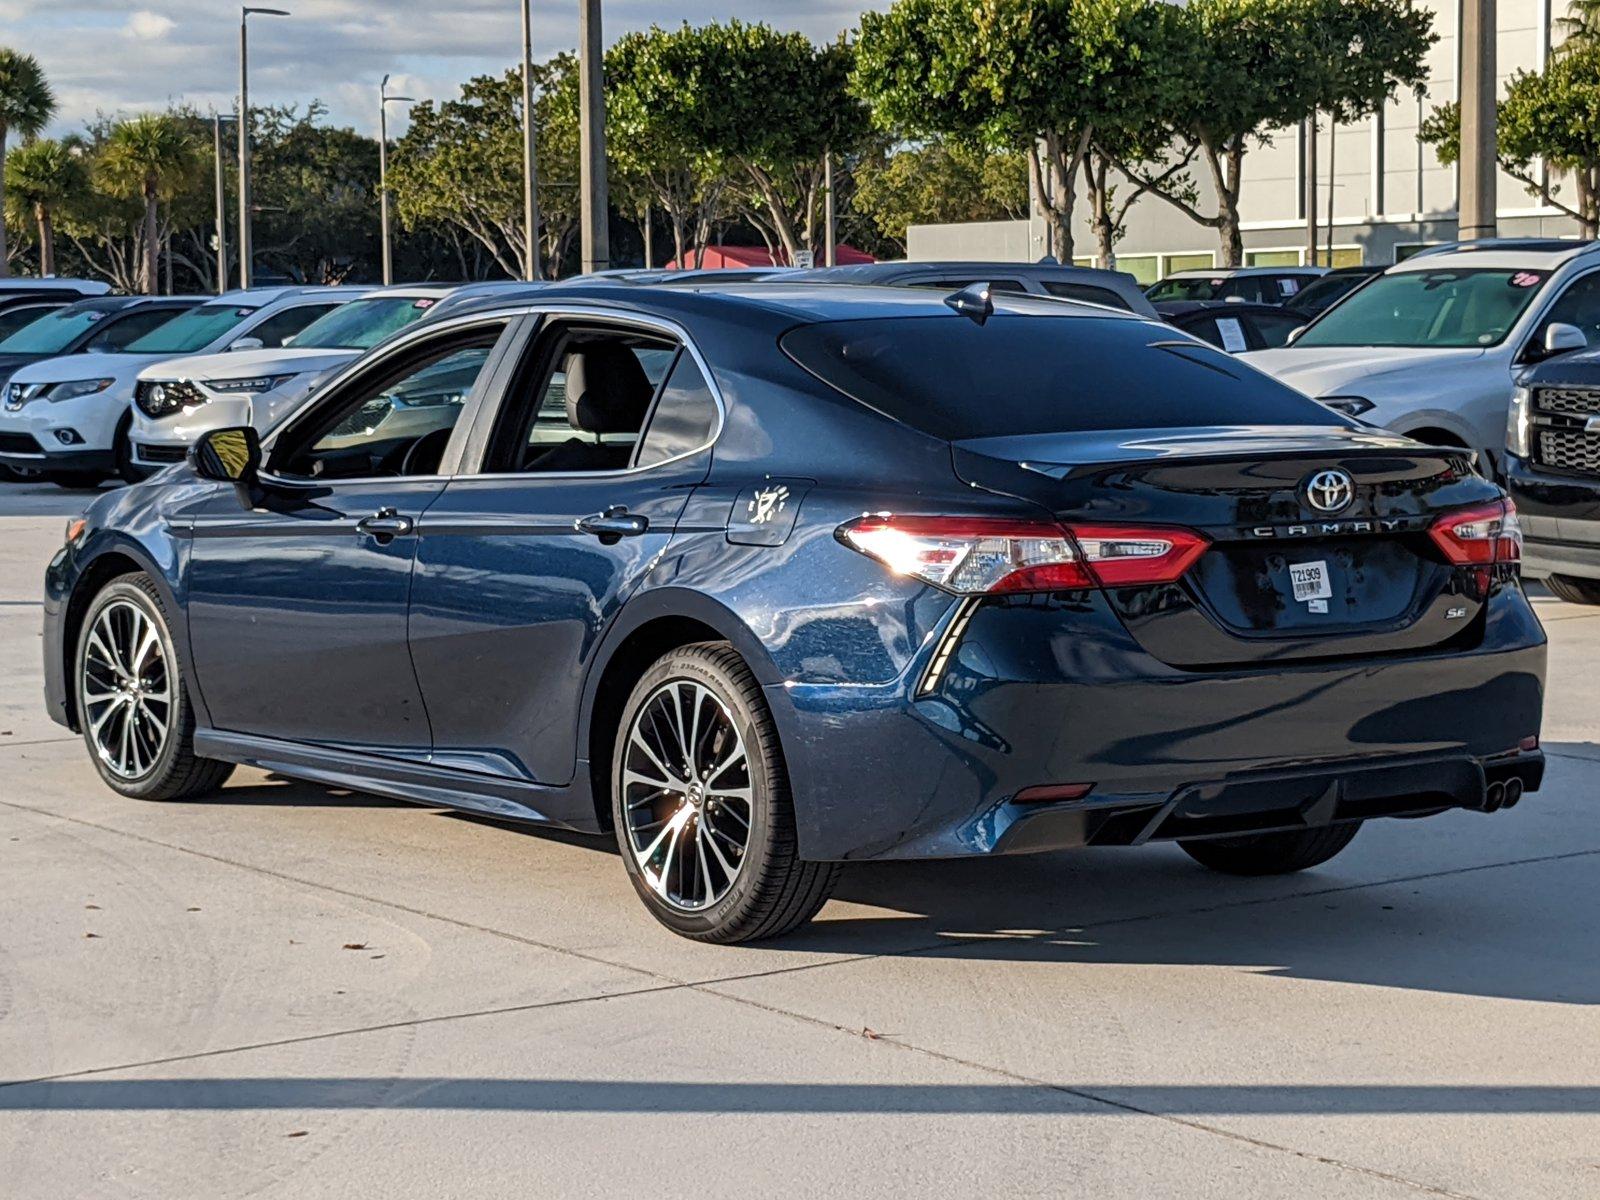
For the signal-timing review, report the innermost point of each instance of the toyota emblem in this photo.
(1330, 491)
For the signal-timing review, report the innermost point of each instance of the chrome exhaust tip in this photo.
(1513, 792)
(1494, 797)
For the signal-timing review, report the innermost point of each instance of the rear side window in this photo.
(1086, 292)
(955, 379)
(683, 418)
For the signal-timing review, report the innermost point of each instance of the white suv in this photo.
(177, 400)
(1431, 347)
(68, 418)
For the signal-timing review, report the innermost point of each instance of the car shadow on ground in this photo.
(1470, 927)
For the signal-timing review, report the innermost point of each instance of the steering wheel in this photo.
(423, 455)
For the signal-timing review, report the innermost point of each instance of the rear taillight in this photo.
(984, 555)
(1479, 536)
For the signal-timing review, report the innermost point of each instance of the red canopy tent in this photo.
(757, 256)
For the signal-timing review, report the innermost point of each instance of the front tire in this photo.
(133, 704)
(701, 802)
(1574, 590)
(1272, 853)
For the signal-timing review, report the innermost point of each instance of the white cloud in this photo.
(149, 26)
(333, 50)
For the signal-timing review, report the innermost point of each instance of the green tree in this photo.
(1256, 67)
(766, 107)
(944, 180)
(1580, 28)
(1552, 115)
(1050, 78)
(41, 176)
(153, 157)
(26, 105)
(460, 164)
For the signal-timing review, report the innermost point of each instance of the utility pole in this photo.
(245, 247)
(222, 205)
(1333, 146)
(595, 204)
(646, 227)
(530, 156)
(1476, 207)
(830, 214)
(1308, 137)
(384, 100)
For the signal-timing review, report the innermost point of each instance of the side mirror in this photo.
(1294, 335)
(227, 455)
(1559, 338)
(247, 343)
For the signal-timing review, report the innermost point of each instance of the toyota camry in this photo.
(764, 578)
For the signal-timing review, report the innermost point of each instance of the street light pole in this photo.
(222, 205)
(1476, 207)
(594, 204)
(383, 174)
(530, 158)
(245, 248)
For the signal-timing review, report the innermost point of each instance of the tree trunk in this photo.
(1096, 169)
(1225, 181)
(47, 240)
(152, 241)
(782, 219)
(4, 132)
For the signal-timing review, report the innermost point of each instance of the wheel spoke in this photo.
(160, 725)
(712, 834)
(717, 772)
(637, 739)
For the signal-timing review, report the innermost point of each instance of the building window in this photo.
(1343, 256)
(1272, 258)
(1198, 261)
(1405, 250)
(1146, 268)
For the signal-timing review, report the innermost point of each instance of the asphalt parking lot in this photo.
(290, 991)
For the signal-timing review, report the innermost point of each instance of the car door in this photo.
(297, 603)
(604, 429)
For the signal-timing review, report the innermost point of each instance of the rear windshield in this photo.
(955, 379)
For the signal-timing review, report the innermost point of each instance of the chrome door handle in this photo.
(385, 524)
(615, 522)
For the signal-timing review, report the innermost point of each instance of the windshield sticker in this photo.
(92, 317)
(1289, 286)
(423, 303)
(1232, 334)
(1524, 279)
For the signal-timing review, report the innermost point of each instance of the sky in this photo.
(122, 56)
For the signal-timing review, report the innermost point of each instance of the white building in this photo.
(1390, 196)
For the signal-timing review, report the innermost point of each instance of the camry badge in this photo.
(1330, 491)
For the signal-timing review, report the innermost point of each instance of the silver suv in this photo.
(1431, 347)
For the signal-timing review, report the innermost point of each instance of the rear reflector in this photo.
(1052, 793)
(990, 555)
(1479, 536)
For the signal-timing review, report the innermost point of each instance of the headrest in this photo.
(607, 389)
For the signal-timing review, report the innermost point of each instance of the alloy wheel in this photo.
(127, 690)
(687, 797)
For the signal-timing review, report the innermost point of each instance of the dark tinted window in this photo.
(14, 319)
(1086, 292)
(1315, 297)
(955, 285)
(118, 332)
(684, 416)
(1022, 374)
(280, 327)
(1580, 305)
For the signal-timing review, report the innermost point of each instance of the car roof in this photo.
(263, 296)
(53, 283)
(866, 272)
(803, 302)
(1231, 272)
(1528, 254)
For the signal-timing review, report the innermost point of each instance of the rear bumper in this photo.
(1048, 692)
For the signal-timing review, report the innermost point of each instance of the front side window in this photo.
(280, 327)
(394, 421)
(1580, 305)
(1449, 307)
(582, 402)
(193, 331)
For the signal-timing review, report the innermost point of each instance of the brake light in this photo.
(1479, 536)
(987, 555)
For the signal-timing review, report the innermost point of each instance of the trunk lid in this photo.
(1281, 580)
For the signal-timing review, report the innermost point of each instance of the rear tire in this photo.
(728, 806)
(133, 704)
(1272, 853)
(1574, 590)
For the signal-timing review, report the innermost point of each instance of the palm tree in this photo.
(26, 105)
(1581, 26)
(40, 177)
(153, 158)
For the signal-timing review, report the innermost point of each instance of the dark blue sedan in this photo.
(768, 577)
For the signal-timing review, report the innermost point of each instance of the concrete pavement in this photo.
(290, 991)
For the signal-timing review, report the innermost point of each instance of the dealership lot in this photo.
(292, 991)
